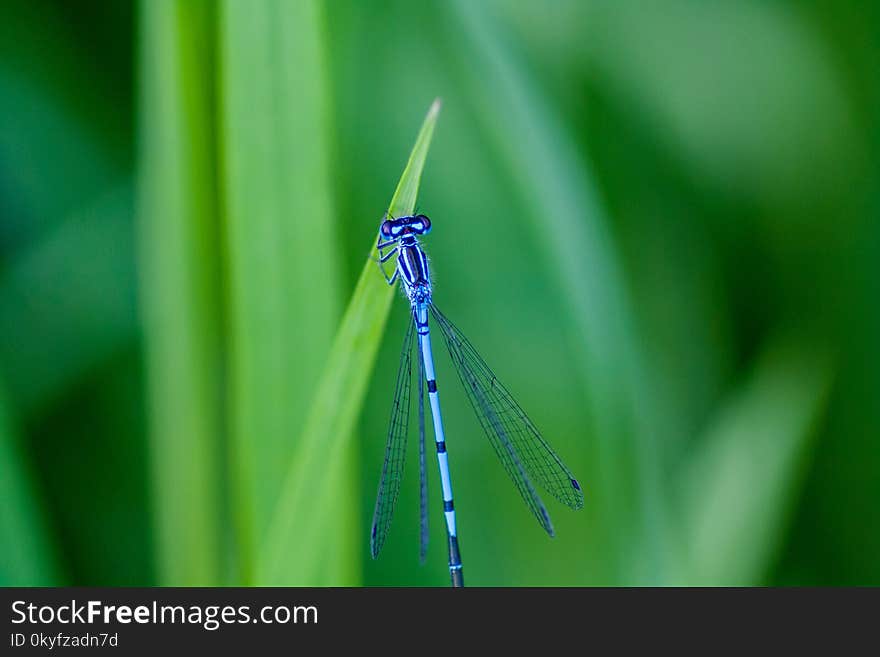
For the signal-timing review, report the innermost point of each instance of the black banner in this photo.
(147, 620)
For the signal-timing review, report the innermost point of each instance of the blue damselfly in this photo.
(526, 456)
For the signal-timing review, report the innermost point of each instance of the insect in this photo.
(526, 456)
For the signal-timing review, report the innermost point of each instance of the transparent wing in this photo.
(395, 448)
(526, 456)
(423, 471)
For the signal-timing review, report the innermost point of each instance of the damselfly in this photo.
(526, 456)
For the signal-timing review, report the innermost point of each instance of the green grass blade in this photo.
(312, 538)
(280, 242)
(180, 262)
(740, 486)
(26, 557)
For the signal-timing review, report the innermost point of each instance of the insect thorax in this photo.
(420, 293)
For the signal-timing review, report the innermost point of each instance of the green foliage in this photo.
(311, 542)
(280, 229)
(26, 558)
(738, 487)
(180, 239)
(658, 226)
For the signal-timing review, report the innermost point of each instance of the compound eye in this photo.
(426, 224)
(385, 229)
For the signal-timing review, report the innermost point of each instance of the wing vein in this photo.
(525, 454)
(395, 448)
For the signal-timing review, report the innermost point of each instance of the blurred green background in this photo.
(657, 221)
